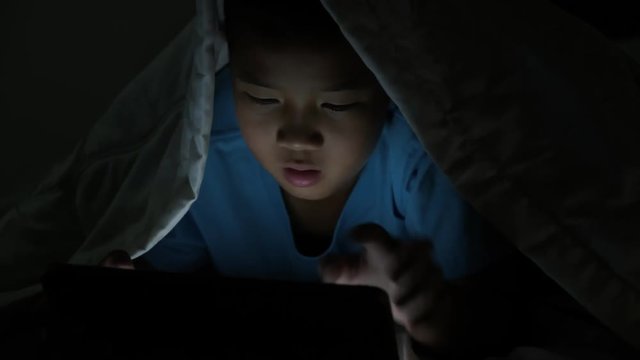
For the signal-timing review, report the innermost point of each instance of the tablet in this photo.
(130, 314)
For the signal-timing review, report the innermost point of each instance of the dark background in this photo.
(63, 62)
(61, 65)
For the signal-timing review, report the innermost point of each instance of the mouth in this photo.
(300, 175)
(300, 166)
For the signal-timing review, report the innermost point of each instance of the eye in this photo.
(338, 108)
(261, 101)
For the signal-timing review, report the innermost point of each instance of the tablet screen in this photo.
(144, 314)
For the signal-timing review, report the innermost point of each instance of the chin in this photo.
(310, 193)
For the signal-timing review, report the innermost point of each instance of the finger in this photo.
(418, 278)
(420, 309)
(340, 269)
(425, 291)
(407, 255)
(379, 247)
(420, 268)
(119, 259)
(432, 326)
(412, 271)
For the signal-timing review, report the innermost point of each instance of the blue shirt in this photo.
(240, 225)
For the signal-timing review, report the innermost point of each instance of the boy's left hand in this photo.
(420, 299)
(118, 259)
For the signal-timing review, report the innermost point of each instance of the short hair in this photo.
(280, 22)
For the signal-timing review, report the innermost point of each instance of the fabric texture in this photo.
(531, 114)
(133, 177)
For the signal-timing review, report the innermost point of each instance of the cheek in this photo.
(355, 138)
(256, 131)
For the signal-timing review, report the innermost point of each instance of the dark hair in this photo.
(280, 22)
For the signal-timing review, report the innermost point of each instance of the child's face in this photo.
(310, 116)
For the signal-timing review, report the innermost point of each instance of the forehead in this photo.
(326, 68)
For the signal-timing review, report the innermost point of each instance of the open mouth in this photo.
(302, 178)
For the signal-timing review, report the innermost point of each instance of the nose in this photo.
(299, 136)
(299, 139)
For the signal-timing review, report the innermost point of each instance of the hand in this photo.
(118, 259)
(420, 299)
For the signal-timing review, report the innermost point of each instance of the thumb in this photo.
(119, 259)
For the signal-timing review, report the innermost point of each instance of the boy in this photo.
(313, 156)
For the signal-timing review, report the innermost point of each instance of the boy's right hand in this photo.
(421, 300)
(118, 259)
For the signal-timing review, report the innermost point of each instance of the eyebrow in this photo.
(349, 85)
(252, 79)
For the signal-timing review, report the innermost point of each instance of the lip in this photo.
(300, 166)
(302, 178)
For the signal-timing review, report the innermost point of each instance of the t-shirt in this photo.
(239, 223)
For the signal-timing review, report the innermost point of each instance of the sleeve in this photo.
(182, 250)
(435, 211)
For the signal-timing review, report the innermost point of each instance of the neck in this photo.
(316, 217)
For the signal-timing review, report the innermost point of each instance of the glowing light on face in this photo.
(310, 117)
